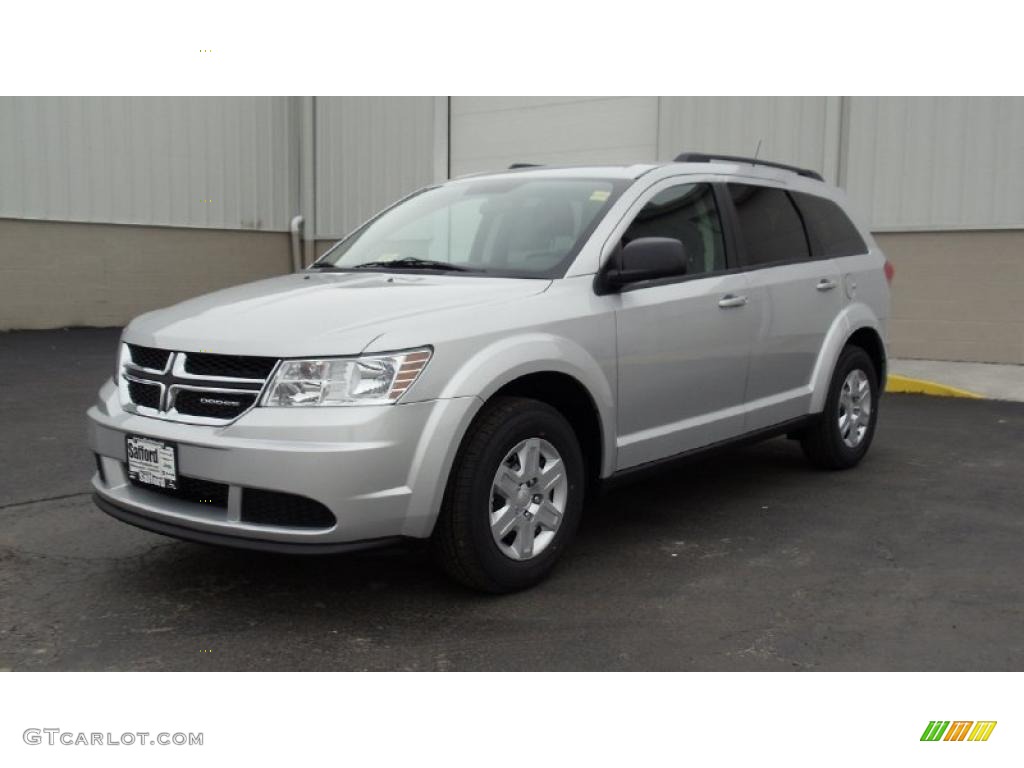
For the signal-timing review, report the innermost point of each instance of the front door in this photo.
(683, 343)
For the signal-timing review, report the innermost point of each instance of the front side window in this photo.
(686, 213)
(770, 227)
(831, 232)
(512, 226)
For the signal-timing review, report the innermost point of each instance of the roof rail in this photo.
(515, 166)
(700, 157)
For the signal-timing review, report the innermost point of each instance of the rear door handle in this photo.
(825, 284)
(731, 300)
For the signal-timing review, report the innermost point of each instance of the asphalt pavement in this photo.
(748, 560)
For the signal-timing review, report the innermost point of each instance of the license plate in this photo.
(152, 462)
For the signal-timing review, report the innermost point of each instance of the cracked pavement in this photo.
(748, 560)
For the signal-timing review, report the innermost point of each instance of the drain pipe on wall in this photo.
(296, 231)
(307, 179)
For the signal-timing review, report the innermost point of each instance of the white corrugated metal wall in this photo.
(489, 133)
(168, 161)
(232, 162)
(370, 151)
(789, 129)
(936, 163)
(906, 162)
(212, 162)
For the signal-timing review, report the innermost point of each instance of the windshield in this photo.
(512, 226)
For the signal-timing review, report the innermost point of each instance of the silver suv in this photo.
(467, 364)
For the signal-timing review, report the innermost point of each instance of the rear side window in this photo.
(686, 213)
(770, 227)
(830, 230)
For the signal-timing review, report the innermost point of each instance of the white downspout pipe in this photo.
(296, 232)
(307, 179)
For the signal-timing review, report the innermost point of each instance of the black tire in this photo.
(822, 441)
(462, 541)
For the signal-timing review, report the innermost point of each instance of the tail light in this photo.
(889, 271)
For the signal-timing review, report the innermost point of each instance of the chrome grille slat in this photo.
(229, 396)
(179, 372)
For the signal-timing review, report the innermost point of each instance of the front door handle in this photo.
(825, 284)
(731, 300)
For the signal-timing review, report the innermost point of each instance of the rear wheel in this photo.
(514, 497)
(841, 436)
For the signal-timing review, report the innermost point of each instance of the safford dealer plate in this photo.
(153, 462)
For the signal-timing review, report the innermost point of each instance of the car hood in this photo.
(309, 314)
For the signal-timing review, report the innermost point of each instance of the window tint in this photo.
(770, 227)
(686, 213)
(830, 230)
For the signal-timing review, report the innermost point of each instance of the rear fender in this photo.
(853, 317)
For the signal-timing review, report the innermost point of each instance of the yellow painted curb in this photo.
(898, 383)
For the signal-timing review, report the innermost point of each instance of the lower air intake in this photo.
(192, 489)
(284, 509)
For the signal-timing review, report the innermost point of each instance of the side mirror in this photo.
(646, 258)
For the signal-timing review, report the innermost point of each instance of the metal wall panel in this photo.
(936, 162)
(489, 133)
(790, 129)
(371, 151)
(193, 162)
(907, 163)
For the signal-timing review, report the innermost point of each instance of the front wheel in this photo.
(840, 437)
(514, 497)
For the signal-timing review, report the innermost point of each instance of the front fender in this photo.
(854, 316)
(510, 358)
(478, 378)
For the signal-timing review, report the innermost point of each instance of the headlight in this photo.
(369, 380)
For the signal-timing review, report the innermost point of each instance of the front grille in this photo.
(284, 509)
(212, 405)
(192, 489)
(195, 387)
(146, 395)
(148, 357)
(235, 366)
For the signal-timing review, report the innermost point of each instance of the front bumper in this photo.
(380, 470)
(188, 533)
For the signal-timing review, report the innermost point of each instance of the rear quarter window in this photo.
(829, 229)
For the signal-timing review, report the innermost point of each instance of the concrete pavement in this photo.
(988, 380)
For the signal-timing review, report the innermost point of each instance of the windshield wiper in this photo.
(413, 263)
(323, 265)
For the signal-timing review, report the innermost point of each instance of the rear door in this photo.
(799, 298)
(684, 341)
